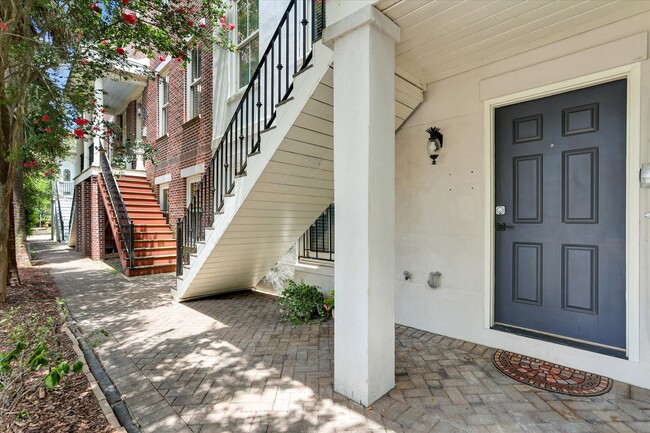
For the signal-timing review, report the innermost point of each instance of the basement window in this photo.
(318, 241)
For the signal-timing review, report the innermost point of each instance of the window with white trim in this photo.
(248, 39)
(192, 186)
(194, 84)
(164, 200)
(163, 105)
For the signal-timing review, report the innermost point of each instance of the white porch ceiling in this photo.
(118, 93)
(442, 38)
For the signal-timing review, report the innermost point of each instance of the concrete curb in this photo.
(99, 394)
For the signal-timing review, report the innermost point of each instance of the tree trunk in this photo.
(20, 224)
(13, 276)
(5, 210)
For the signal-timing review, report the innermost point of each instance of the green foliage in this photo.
(35, 345)
(36, 197)
(302, 303)
(329, 302)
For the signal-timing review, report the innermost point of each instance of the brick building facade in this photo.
(91, 219)
(187, 143)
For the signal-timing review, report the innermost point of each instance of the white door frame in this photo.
(632, 73)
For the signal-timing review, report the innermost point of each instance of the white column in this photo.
(139, 153)
(364, 191)
(99, 102)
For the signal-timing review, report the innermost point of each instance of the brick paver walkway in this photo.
(228, 364)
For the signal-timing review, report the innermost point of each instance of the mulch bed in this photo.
(72, 406)
(550, 377)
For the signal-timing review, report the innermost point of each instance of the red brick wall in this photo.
(188, 141)
(90, 219)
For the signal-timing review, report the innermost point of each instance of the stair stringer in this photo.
(286, 187)
(112, 220)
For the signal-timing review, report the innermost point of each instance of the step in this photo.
(135, 198)
(135, 190)
(145, 213)
(152, 227)
(154, 243)
(134, 204)
(155, 251)
(133, 178)
(150, 270)
(155, 260)
(153, 235)
(139, 220)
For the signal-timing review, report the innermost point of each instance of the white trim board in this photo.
(192, 171)
(165, 178)
(631, 72)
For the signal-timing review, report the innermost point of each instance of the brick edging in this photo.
(97, 391)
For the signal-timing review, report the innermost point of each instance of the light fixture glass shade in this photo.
(432, 147)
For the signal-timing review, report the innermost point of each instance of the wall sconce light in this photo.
(434, 143)
(141, 110)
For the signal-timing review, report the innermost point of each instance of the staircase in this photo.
(272, 175)
(153, 245)
(62, 200)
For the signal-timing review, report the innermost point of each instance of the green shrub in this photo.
(302, 303)
(329, 302)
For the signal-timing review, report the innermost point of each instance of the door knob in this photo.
(501, 227)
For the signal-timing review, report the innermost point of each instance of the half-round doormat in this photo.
(550, 377)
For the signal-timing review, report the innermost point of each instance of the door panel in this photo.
(560, 246)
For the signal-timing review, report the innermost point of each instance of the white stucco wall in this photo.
(441, 210)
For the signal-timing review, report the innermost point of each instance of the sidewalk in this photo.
(227, 364)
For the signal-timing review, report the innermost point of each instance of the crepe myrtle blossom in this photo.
(129, 18)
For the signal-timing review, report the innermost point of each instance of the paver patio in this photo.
(228, 364)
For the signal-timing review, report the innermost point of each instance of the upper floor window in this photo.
(163, 105)
(66, 175)
(248, 39)
(194, 84)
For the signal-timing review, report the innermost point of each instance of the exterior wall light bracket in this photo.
(434, 279)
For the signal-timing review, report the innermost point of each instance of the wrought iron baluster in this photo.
(257, 109)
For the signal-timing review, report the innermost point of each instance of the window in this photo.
(164, 201)
(318, 241)
(66, 175)
(192, 187)
(248, 40)
(194, 84)
(163, 105)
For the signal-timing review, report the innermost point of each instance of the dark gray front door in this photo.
(560, 217)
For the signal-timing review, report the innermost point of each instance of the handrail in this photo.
(124, 223)
(289, 52)
(60, 220)
(74, 196)
(66, 187)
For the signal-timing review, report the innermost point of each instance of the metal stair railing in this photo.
(74, 198)
(124, 223)
(289, 52)
(59, 220)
